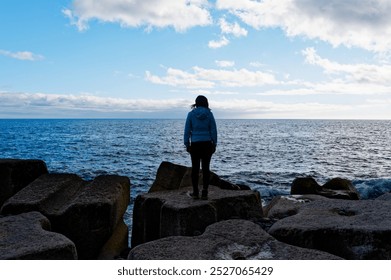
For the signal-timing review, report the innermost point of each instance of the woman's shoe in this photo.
(204, 194)
(193, 195)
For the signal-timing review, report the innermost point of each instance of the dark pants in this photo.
(201, 152)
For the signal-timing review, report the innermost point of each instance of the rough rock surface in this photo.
(117, 243)
(230, 239)
(305, 185)
(168, 213)
(336, 188)
(386, 196)
(351, 229)
(27, 236)
(15, 174)
(85, 212)
(284, 206)
(172, 176)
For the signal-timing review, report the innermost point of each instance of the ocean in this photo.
(266, 155)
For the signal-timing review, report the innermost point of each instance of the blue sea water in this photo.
(266, 155)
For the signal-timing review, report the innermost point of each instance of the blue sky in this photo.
(150, 59)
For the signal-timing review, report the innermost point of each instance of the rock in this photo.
(214, 180)
(172, 176)
(340, 188)
(117, 243)
(27, 236)
(168, 177)
(85, 212)
(162, 214)
(284, 206)
(336, 188)
(226, 240)
(306, 185)
(386, 196)
(15, 174)
(351, 229)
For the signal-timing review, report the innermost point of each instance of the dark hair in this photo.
(201, 101)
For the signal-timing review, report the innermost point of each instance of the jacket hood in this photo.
(201, 113)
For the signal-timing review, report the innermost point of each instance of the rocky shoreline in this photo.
(85, 216)
(61, 216)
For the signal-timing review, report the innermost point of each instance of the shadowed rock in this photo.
(340, 188)
(336, 188)
(15, 174)
(116, 244)
(162, 214)
(172, 176)
(306, 185)
(85, 212)
(386, 196)
(351, 229)
(27, 236)
(284, 206)
(226, 240)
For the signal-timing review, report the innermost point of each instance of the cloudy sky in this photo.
(151, 58)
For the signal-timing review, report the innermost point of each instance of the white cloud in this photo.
(360, 73)
(179, 78)
(227, 29)
(179, 14)
(225, 63)
(61, 105)
(40, 104)
(213, 44)
(334, 87)
(256, 64)
(24, 55)
(234, 29)
(365, 24)
(41, 101)
(254, 108)
(213, 92)
(211, 78)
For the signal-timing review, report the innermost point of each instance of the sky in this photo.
(265, 59)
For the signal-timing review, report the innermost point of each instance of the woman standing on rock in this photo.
(200, 139)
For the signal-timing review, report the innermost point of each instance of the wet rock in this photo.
(351, 229)
(27, 236)
(336, 188)
(168, 213)
(340, 188)
(230, 239)
(306, 185)
(85, 212)
(15, 174)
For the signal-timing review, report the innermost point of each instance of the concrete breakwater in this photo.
(61, 216)
(86, 217)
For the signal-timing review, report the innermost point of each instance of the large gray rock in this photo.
(168, 177)
(167, 213)
(386, 196)
(284, 206)
(351, 229)
(230, 239)
(117, 244)
(172, 176)
(336, 188)
(27, 236)
(15, 174)
(85, 212)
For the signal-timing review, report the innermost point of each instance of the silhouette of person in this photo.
(200, 139)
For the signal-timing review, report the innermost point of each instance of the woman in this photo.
(200, 139)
